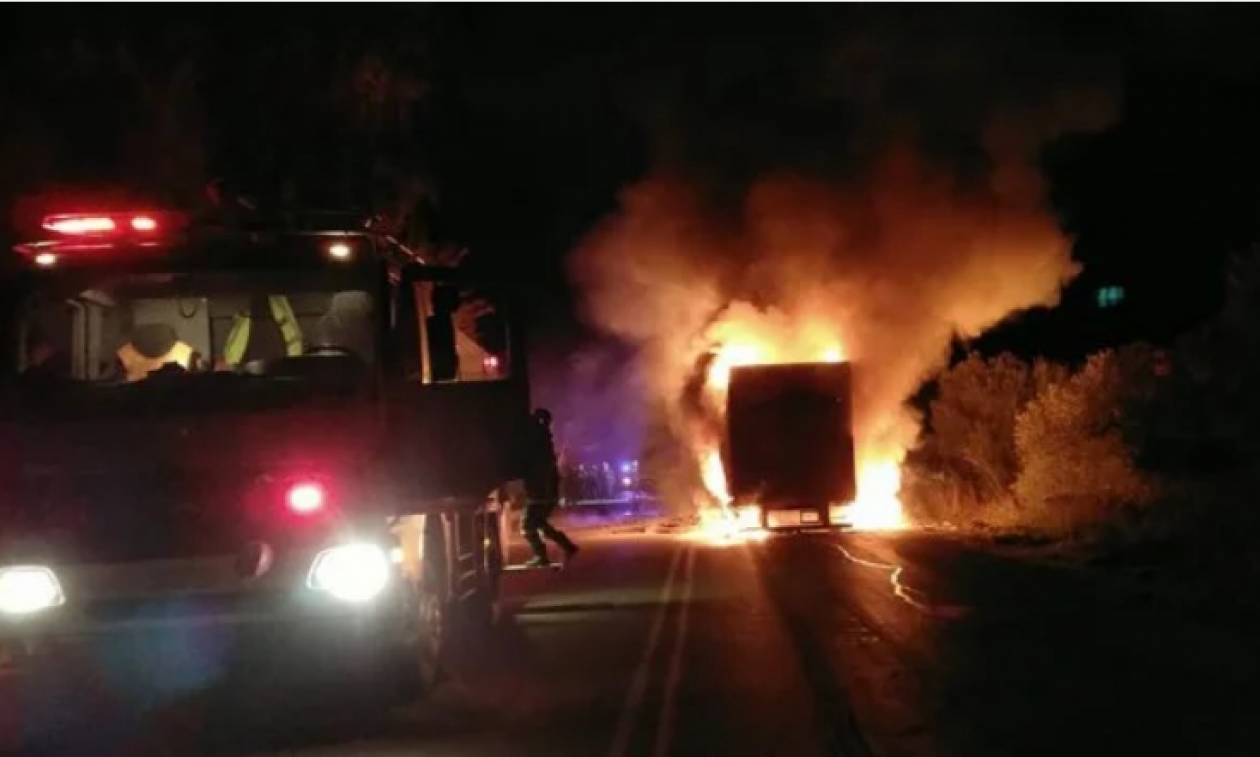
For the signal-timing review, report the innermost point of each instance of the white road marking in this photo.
(639, 683)
(665, 724)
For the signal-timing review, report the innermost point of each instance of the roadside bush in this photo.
(937, 492)
(962, 472)
(1207, 419)
(1037, 448)
(1137, 446)
(1075, 444)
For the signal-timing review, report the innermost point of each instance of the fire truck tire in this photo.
(486, 604)
(434, 607)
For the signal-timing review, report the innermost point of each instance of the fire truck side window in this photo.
(458, 334)
(50, 342)
(79, 337)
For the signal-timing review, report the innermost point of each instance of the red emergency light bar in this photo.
(102, 224)
(83, 232)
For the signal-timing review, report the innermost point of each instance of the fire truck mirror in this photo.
(402, 354)
(443, 355)
(443, 359)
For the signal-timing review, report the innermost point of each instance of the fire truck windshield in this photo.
(134, 328)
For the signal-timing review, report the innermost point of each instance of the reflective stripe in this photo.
(137, 366)
(237, 340)
(282, 313)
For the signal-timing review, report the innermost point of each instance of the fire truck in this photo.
(276, 447)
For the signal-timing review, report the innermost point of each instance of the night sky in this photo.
(522, 123)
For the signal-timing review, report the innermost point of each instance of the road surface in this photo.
(853, 644)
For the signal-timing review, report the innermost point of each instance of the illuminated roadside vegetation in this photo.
(1037, 447)
(1135, 446)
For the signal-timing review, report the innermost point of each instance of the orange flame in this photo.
(884, 271)
(713, 474)
(878, 505)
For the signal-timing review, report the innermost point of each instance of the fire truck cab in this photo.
(259, 455)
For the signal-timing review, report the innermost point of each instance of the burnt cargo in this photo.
(790, 435)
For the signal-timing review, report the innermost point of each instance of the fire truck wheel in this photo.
(484, 607)
(433, 608)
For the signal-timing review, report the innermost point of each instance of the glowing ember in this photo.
(720, 527)
(717, 525)
(720, 524)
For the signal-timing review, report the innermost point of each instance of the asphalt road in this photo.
(855, 644)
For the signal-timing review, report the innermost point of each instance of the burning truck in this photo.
(790, 449)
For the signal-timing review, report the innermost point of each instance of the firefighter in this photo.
(151, 348)
(268, 329)
(44, 360)
(542, 486)
(223, 208)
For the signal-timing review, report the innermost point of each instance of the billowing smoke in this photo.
(882, 263)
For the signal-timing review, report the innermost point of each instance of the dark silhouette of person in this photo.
(542, 487)
(44, 360)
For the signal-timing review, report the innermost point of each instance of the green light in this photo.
(1109, 296)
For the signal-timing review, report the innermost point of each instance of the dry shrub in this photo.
(962, 472)
(1037, 447)
(935, 492)
(1077, 468)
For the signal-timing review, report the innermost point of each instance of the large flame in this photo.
(885, 270)
(713, 474)
(877, 506)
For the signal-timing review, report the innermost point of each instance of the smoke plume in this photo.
(882, 263)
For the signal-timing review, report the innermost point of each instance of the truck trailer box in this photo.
(790, 440)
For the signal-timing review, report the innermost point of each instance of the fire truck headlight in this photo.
(25, 589)
(351, 572)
